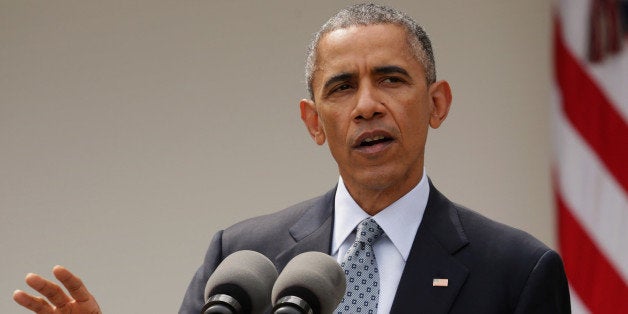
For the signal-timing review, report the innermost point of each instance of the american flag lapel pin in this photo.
(440, 282)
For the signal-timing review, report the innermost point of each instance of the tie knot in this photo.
(368, 231)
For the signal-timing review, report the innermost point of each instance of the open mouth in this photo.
(374, 141)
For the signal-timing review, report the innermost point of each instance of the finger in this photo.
(72, 283)
(33, 303)
(49, 289)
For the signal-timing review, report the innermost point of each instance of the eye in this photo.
(392, 80)
(340, 88)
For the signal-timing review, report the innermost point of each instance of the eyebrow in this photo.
(345, 76)
(389, 69)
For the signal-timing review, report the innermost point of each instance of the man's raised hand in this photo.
(79, 300)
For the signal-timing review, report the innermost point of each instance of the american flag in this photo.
(590, 154)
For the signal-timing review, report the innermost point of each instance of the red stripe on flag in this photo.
(590, 111)
(598, 284)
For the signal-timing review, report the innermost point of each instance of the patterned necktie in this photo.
(361, 271)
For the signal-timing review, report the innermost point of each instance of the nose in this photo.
(369, 105)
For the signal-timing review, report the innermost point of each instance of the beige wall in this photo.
(130, 131)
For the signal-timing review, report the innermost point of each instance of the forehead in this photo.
(361, 47)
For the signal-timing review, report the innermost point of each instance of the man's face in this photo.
(372, 106)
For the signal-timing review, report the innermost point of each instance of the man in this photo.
(373, 95)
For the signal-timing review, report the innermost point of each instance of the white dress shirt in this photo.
(400, 222)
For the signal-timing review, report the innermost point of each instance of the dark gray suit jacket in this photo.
(492, 268)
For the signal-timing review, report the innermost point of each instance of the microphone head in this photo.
(314, 277)
(248, 277)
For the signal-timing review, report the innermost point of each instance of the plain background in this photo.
(131, 131)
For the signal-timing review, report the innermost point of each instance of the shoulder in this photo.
(497, 236)
(278, 221)
(460, 229)
(267, 234)
(529, 274)
(492, 248)
(272, 231)
(473, 231)
(508, 264)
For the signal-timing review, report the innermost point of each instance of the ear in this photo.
(440, 92)
(310, 118)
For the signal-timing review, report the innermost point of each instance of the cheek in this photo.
(414, 123)
(418, 111)
(333, 124)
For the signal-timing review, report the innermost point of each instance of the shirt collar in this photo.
(406, 212)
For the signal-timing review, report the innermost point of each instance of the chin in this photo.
(379, 180)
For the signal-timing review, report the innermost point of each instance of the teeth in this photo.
(371, 139)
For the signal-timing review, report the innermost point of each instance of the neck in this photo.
(374, 200)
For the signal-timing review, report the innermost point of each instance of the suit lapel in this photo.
(440, 235)
(312, 232)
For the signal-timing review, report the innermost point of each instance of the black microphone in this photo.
(241, 284)
(312, 283)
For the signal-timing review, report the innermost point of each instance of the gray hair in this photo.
(369, 14)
